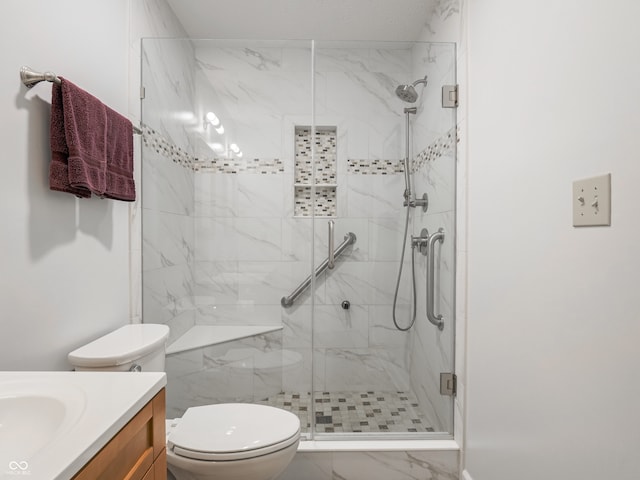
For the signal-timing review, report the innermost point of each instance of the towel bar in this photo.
(30, 78)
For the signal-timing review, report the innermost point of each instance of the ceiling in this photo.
(377, 20)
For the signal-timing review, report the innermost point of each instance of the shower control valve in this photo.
(421, 242)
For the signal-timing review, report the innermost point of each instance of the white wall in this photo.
(64, 261)
(553, 330)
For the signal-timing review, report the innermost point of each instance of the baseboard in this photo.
(466, 476)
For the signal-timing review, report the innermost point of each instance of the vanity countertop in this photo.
(53, 423)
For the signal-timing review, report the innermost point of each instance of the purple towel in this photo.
(91, 145)
(59, 167)
(120, 184)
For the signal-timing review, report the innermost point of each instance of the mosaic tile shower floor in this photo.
(354, 411)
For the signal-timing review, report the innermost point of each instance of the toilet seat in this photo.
(234, 431)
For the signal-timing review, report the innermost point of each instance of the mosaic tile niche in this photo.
(325, 172)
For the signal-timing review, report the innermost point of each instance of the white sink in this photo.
(53, 423)
(33, 414)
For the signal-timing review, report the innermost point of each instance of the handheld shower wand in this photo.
(408, 93)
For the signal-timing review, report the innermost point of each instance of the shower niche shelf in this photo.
(325, 176)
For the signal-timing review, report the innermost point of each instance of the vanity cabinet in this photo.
(137, 451)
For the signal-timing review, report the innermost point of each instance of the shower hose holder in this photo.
(418, 202)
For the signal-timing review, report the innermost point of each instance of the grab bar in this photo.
(349, 239)
(431, 266)
(332, 257)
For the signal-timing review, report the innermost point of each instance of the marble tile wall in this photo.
(247, 250)
(168, 77)
(245, 370)
(435, 173)
(257, 234)
(148, 18)
(375, 465)
(449, 23)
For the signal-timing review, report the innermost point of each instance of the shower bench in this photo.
(200, 336)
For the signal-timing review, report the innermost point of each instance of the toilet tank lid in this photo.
(123, 345)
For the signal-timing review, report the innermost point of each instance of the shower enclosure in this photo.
(264, 161)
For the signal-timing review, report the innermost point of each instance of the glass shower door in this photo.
(259, 156)
(221, 244)
(370, 377)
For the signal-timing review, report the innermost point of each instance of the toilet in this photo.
(225, 441)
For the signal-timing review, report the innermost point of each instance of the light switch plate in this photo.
(592, 201)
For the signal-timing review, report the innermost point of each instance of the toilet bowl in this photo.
(224, 441)
(232, 441)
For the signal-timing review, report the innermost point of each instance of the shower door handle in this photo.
(431, 274)
(331, 260)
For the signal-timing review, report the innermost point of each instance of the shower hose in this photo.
(413, 275)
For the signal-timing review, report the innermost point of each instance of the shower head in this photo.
(407, 93)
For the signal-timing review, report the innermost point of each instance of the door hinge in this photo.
(449, 96)
(448, 384)
(142, 92)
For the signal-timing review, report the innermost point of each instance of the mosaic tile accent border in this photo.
(338, 412)
(374, 167)
(237, 165)
(155, 141)
(325, 202)
(437, 149)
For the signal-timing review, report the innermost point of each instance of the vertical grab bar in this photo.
(431, 267)
(332, 259)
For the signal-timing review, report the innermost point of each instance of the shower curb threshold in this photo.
(376, 445)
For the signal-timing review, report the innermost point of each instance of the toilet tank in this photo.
(127, 348)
